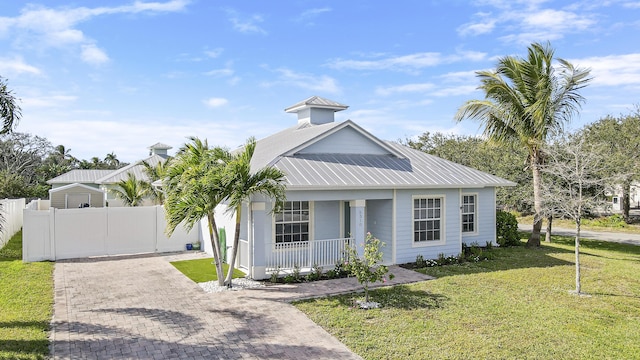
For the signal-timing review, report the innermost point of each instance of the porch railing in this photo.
(305, 254)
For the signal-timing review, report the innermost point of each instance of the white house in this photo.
(343, 182)
(86, 186)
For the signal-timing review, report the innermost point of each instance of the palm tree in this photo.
(194, 186)
(9, 111)
(243, 183)
(131, 191)
(527, 101)
(155, 173)
(111, 160)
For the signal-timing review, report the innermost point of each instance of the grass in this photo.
(26, 304)
(203, 270)
(597, 224)
(517, 305)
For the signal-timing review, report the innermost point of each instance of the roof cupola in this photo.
(316, 110)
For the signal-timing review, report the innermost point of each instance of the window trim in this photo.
(277, 246)
(475, 214)
(443, 220)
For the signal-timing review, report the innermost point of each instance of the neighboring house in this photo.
(616, 197)
(78, 187)
(343, 182)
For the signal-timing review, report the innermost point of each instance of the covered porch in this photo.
(311, 233)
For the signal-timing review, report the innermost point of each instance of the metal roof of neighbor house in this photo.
(137, 169)
(403, 167)
(160, 146)
(75, 185)
(317, 102)
(79, 176)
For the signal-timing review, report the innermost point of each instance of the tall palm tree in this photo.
(111, 160)
(527, 101)
(243, 183)
(131, 191)
(194, 186)
(9, 111)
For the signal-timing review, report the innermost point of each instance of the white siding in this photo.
(345, 141)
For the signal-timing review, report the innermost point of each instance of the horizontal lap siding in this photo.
(405, 250)
(379, 224)
(326, 220)
(345, 141)
(486, 217)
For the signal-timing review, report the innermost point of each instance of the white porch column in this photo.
(257, 260)
(358, 231)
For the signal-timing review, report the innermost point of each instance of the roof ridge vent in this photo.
(316, 110)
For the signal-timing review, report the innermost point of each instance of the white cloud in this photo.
(246, 24)
(412, 61)
(91, 54)
(319, 83)
(215, 102)
(43, 27)
(48, 101)
(456, 90)
(528, 21)
(214, 53)
(219, 72)
(408, 63)
(613, 70)
(16, 65)
(408, 88)
(310, 14)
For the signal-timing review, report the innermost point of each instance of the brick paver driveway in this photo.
(140, 307)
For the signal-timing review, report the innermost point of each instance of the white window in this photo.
(427, 219)
(468, 213)
(292, 223)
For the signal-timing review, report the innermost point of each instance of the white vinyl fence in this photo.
(11, 211)
(74, 233)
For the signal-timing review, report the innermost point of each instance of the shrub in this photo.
(613, 221)
(366, 268)
(507, 229)
(421, 262)
(315, 274)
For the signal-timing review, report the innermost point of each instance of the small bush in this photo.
(275, 274)
(420, 261)
(315, 274)
(613, 221)
(507, 229)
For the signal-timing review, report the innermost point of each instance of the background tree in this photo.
(131, 191)
(504, 160)
(526, 101)
(9, 110)
(242, 183)
(620, 137)
(573, 185)
(194, 187)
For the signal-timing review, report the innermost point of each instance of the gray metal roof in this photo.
(160, 146)
(137, 169)
(402, 168)
(80, 176)
(318, 102)
(352, 171)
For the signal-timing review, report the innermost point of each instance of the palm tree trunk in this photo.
(234, 250)
(215, 245)
(534, 239)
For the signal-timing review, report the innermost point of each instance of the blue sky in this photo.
(118, 76)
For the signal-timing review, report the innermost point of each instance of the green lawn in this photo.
(203, 270)
(26, 304)
(515, 306)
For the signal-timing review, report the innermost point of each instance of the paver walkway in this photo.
(141, 307)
